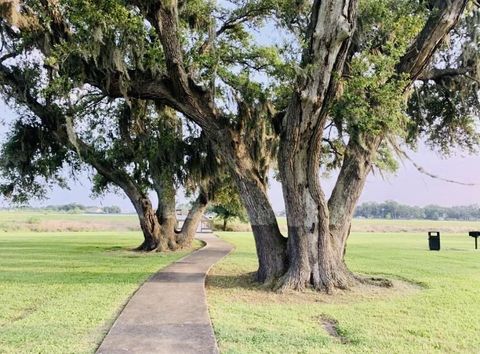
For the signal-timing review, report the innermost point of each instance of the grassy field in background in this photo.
(433, 307)
(415, 226)
(60, 292)
(38, 221)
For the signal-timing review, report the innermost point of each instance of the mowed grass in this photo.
(60, 292)
(436, 309)
(410, 226)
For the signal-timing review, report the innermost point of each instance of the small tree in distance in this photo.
(114, 209)
(227, 205)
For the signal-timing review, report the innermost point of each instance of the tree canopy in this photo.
(340, 86)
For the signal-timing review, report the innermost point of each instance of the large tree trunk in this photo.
(148, 223)
(252, 186)
(313, 251)
(166, 215)
(357, 164)
(269, 242)
(194, 217)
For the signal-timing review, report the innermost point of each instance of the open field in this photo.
(60, 292)
(380, 225)
(64, 222)
(37, 221)
(433, 307)
(385, 225)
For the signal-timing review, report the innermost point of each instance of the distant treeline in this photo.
(77, 208)
(394, 210)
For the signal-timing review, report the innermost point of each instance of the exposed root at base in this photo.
(144, 248)
(288, 283)
(325, 283)
(344, 282)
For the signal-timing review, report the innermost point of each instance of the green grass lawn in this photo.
(436, 311)
(60, 292)
(410, 226)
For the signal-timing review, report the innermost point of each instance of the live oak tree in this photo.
(43, 140)
(392, 46)
(333, 96)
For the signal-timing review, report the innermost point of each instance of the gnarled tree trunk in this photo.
(318, 230)
(252, 187)
(313, 251)
(189, 228)
(269, 242)
(357, 164)
(148, 223)
(166, 215)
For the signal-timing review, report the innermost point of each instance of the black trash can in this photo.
(434, 240)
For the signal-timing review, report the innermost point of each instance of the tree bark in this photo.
(269, 242)
(194, 217)
(357, 164)
(224, 227)
(251, 184)
(166, 214)
(312, 249)
(148, 223)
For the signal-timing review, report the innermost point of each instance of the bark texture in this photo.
(252, 187)
(318, 230)
(357, 164)
(189, 228)
(312, 249)
(149, 225)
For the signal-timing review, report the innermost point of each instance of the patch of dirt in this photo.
(243, 288)
(331, 327)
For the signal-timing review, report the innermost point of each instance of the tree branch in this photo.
(437, 74)
(443, 18)
(56, 122)
(184, 94)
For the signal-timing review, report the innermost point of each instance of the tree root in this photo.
(327, 282)
(145, 247)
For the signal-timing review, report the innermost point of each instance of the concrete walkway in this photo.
(169, 314)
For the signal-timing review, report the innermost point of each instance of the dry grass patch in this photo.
(243, 288)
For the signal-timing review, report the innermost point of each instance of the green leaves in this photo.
(373, 100)
(30, 161)
(227, 204)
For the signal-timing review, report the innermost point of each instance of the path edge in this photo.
(122, 307)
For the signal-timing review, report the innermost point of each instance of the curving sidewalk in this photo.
(168, 313)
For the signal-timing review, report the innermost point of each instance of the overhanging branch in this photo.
(443, 18)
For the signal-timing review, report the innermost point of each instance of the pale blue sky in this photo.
(406, 186)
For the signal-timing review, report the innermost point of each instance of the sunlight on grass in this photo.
(441, 317)
(60, 293)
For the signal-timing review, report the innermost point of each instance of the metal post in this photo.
(476, 243)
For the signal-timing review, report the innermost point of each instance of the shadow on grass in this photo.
(247, 281)
(236, 281)
(74, 277)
